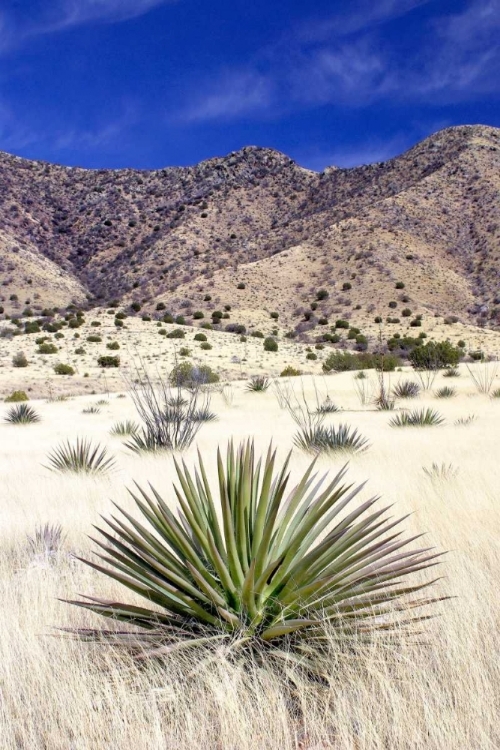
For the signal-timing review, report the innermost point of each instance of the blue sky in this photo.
(153, 83)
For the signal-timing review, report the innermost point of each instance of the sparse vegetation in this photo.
(81, 457)
(417, 418)
(22, 414)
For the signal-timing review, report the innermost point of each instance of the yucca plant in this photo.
(271, 570)
(451, 372)
(91, 410)
(446, 392)
(124, 429)
(258, 383)
(81, 458)
(327, 407)
(441, 471)
(46, 542)
(204, 415)
(495, 393)
(464, 421)
(417, 418)
(22, 414)
(321, 439)
(102, 402)
(406, 389)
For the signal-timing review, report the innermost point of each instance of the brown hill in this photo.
(429, 219)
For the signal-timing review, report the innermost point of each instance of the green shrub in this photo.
(346, 286)
(63, 369)
(311, 355)
(188, 375)
(342, 324)
(417, 418)
(198, 315)
(177, 333)
(241, 285)
(270, 344)
(113, 345)
(108, 361)
(94, 339)
(435, 355)
(20, 360)
(80, 350)
(205, 346)
(47, 348)
(200, 337)
(16, 396)
(184, 352)
(274, 315)
(290, 372)
(82, 458)
(346, 361)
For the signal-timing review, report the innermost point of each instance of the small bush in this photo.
(94, 339)
(311, 356)
(47, 348)
(16, 396)
(124, 429)
(290, 372)
(200, 337)
(258, 383)
(187, 375)
(19, 360)
(342, 324)
(63, 369)
(406, 389)
(321, 439)
(113, 345)
(241, 285)
(321, 295)
(446, 392)
(82, 458)
(177, 333)
(184, 352)
(270, 344)
(108, 361)
(205, 346)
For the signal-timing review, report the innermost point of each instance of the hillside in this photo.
(429, 219)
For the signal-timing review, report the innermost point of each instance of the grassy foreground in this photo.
(58, 693)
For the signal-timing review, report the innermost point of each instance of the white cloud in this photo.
(235, 95)
(68, 13)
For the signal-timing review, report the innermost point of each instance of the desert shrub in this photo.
(16, 396)
(321, 295)
(205, 346)
(406, 389)
(400, 285)
(22, 414)
(282, 582)
(31, 327)
(207, 326)
(20, 360)
(346, 286)
(417, 418)
(198, 315)
(435, 355)
(118, 322)
(257, 334)
(91, 410)
(113, 345)
(80, 350)
(258, 383)
(346, 361)
(451, 372)
(200, 337)
(237, 328)
(108, 361)
(135, 306)
(311, 356)
(46, 542)
(204, 415)
(94, 339)
(63, 369)
(177, 333)
(327, 407)
(406, 312)
(290, 372)
(184, 352)
(270, 344)
(81, 458)
(47, 348)
(188, 375)
(275, 315)
(167, 318)
(180, 320)
(241, 285)
(495, 393)
(342, 324)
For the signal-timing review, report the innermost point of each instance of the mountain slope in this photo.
(429, 218)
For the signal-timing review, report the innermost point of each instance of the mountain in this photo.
(256, 231)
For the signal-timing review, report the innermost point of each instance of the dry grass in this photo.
(61, 694)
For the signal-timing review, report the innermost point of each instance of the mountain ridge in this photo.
(174, 234)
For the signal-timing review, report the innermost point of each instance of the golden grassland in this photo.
(61, 694)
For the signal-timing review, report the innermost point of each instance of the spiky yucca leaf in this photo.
(258, 383)
(22, 414)
(81, 458)
(321, 439)
(256, 562)
(124, 428)
(417, 418)
(446, 392)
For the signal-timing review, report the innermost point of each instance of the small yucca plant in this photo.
(204, 415)
(417, 418)
(495, 393)
(451, 372)
(406, 389)
(125, 428)
(81, 458)
(327, 407)
(47, 541)
(441, 471)
(91, 410)
(446, 392)
(321, 439)
(464, 421)
(269, 569)
(22, 414)
(258, 383)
